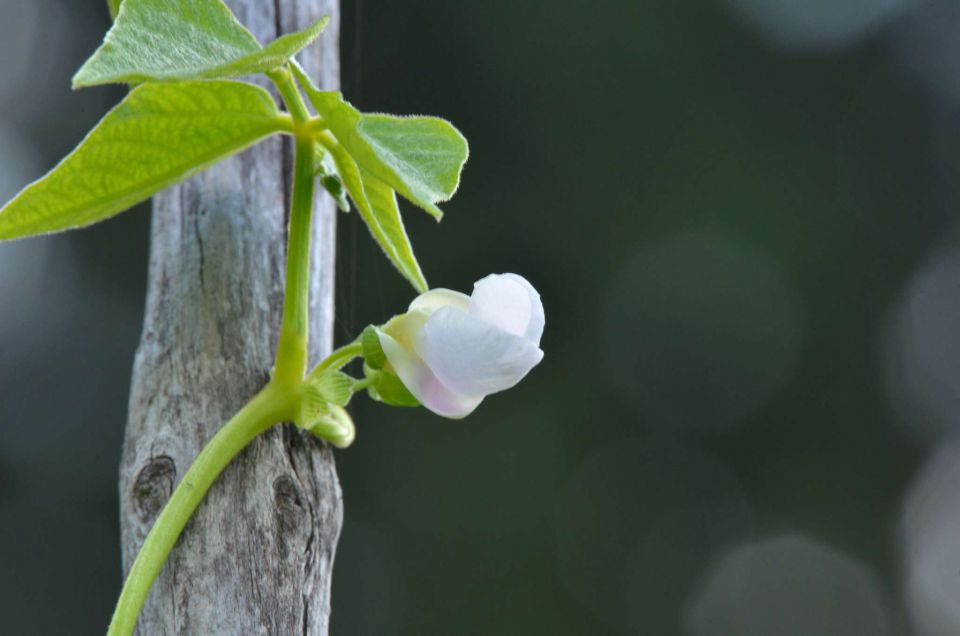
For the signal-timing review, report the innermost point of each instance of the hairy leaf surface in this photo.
(419, 157)
(377, 206)
(383, 203)
(160, 40)
(158, 135)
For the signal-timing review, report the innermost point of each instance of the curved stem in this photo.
(278, 401)
(360, 385)
(267, 408)
(338, 358)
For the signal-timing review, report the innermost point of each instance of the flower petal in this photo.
(405, 328)
(436, 298)
(423, 384)
(473, 357)
(510, 302)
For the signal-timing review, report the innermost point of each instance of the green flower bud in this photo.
(334, 425)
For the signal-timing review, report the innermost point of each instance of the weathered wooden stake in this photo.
(257, 556)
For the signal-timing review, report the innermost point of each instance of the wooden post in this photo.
(257, 556)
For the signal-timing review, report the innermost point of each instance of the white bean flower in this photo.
(451, 350)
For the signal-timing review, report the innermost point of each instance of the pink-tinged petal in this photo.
(434, 299)
(473, 357)
(511, 303)
(423, 384)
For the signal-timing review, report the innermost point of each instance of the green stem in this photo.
(290, 94)
(291, 363)
(338, 358)
(268, 407)
(360, 385)
(278, 401)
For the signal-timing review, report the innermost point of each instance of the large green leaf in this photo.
(377, 205)
(162, 40)
(158, 135)
(383, 202)
(113, 6)
(419, 157)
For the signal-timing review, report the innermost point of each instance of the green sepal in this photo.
(161, 40)
(113, 6)
(373, 355)
(387, 388)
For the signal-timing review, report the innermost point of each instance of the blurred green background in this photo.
(741, 216)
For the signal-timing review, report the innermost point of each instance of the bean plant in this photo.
(186, 110)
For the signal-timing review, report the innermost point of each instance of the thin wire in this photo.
(354, 221)
(345, 314)
(347, 303)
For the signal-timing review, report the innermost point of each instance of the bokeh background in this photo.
(743, 219)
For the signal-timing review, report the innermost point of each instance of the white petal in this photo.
(406, 328)
(423, 384)
(511, 303)
(436, 298)
(473, 357)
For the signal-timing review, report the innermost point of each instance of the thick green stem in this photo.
(279, 401)
(268, 407)
(292, 348)
(291, 363)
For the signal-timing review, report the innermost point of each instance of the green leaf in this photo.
(113, 6)
(392, 234)
(419, 157)
(161, 40)
(377, 206)
(158, 135)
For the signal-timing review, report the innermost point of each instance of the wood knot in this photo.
(292, 511)
(153, 486)
(288, 498)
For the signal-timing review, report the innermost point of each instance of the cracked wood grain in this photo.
(258, 554)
